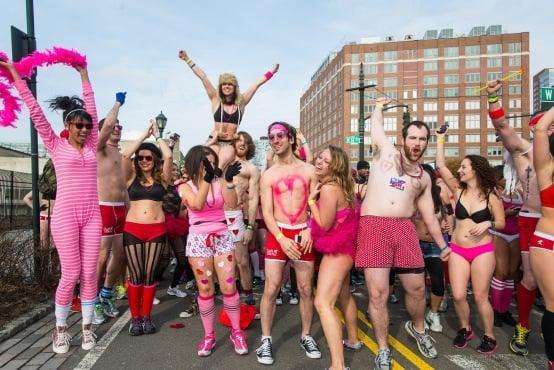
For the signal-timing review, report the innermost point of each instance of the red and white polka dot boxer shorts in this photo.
(385, 242)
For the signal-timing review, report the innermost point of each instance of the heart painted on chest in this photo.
(279, 190)
(385, 166)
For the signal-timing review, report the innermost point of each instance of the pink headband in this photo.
(279, 126)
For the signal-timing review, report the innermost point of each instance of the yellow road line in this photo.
(399, 347)
(368, 342)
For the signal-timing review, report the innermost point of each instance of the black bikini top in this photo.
(221, 116)
(137, 191)
(477, 217)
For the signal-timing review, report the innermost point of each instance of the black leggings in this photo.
(433, 265)
(143, 258)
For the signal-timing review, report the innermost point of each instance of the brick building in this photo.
(437, 77)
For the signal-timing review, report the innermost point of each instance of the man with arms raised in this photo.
(112, 195)
(285, 188)
(242, 220)
(387, 238)
(522, 154)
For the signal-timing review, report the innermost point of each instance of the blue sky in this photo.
(132, 45)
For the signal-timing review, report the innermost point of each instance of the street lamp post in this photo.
(161, 121)
(361, 124)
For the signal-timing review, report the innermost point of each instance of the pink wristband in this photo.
(268, 75)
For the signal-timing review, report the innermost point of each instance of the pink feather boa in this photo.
(26, 67)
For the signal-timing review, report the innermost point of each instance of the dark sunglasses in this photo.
(147, 158)
(118, 127)
(278, 136)
(80, 125)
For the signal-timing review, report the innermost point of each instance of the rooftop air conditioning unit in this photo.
(389, 38)
(409, 37)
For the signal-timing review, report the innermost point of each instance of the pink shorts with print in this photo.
(209, 245)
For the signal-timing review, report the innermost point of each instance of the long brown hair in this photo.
(157, 170)
(487, 181)
(340, 173)
(193, 161)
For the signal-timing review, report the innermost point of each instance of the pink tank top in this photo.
(511, 227)
(211, 218)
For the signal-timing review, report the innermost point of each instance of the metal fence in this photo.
(14, 213)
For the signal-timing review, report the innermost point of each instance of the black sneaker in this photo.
(148, 326)
(257, 282)
(264, 353)
(135, 327)
(508, 319)
(310, 346)
(488, 345)
(462, 338)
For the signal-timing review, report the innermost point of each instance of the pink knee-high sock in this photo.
(497, 292)
(206, 306)
(507, 294)
(231, 304)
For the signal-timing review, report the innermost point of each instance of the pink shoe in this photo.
(239, 341)
(206, 345)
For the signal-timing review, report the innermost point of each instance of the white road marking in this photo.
(94, 354)
(498, 361)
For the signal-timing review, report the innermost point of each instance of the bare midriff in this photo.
(145, 212)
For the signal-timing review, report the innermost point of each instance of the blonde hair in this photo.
(339, 171)
(229, 78)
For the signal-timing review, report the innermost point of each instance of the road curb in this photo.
(22, 322)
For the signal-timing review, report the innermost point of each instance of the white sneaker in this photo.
(60, 340)
(88, 338)
(176, 292)
(156, 300)
(433, 321)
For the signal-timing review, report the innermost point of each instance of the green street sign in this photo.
(547, 94)
(353, 140)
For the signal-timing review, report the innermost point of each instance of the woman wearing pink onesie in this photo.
(76, 224)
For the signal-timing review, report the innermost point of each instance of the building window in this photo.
(472, 50)
(494, 62)
(451, 52)
(430, 93)
(473, 138)
(514, 47)
(452, 139)
(491, 138)
(430, 66)
(451, 79)
(354, 109)
(431, 121)
(431, 152)
(389, 123)
(452, 121)
(472, 63)
(472, 77)
(472, 121)
(450, 105)
(494, 49)
(491, 76)
(430, 53)
(514, 103)
(353, 153)
(451, 64)
(451, 152)
(370, 69)
(451, 92)
(514, 61)
(410, 54)
(494, 151)
(355, 70)
(430, 107)
(390, 68)
(473, 151)
(516, 77)
(354, 58)
(430, 80)
(514, 89)
(389, 55)
(472, 91)
(389, 82)
(370, 57)
(473, 104)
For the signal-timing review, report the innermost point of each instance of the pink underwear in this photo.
(471, 253)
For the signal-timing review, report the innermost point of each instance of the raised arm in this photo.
(304, 145)
(167, 154)
(128, 152)
(90, 106)
(210, 89)
(426, 208)
(376, 130)
(28, 199)
(110, 121)
(249, 93)
(447, 176)
(47, 134)
(542, 154)
(510, 139)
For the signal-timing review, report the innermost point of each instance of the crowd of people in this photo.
(119, 214)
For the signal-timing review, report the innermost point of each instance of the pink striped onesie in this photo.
(76, 224)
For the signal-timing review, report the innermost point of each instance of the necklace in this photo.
(418, 176)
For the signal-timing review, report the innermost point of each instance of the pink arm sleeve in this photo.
(47, 134)
(90, 106)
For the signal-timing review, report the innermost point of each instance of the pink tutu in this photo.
(341, 238)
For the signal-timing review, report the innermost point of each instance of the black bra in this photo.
(221, 116)
(477, 217)
(137, 191)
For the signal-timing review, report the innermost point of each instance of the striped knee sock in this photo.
(231, 304)
(206, 307)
